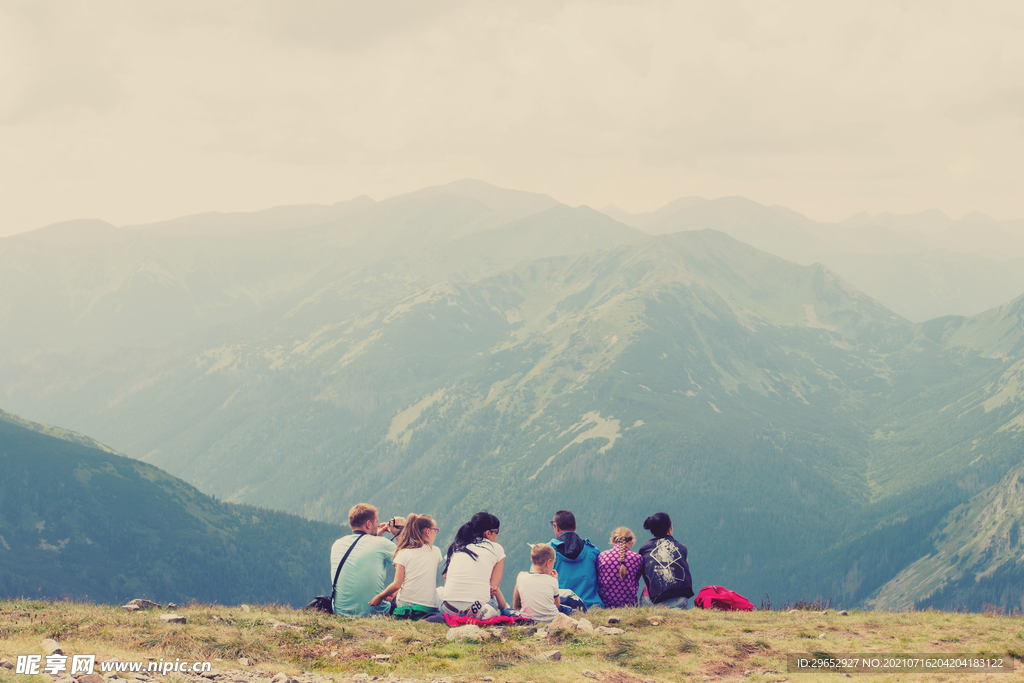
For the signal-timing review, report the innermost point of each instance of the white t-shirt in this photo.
(537, 592)
(469, 580)
(419, 587)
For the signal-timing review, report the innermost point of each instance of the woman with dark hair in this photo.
(473, 570)
(666, 572)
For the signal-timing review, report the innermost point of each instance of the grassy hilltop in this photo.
(658, 644)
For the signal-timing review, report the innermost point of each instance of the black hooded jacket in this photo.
(666, 571)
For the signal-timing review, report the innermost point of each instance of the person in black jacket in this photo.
(666, 571)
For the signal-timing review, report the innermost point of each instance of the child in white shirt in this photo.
(536, 593)
(416, 564)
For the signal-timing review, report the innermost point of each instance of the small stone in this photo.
(171, 605)
(389, 640)
(793, 611)
(589, 674)
(467, 632)
(361, 677)
(280, 626)
(541, 633)
(487, 678)
(243, 661)
(246, 609)
(90, 678)
(650, 680)
(51, 647)
(143, 604)
(821, 636)
(381, 658)
(655, 621)
(552, 655)
(5, 664)
(281, 677)
(844, 613)
(334, 653)
(609, 631)
(563, 623)
(585, 626)
(131, 608)
(327, 639)
(212, 673)
(173, 619)
(613, 620)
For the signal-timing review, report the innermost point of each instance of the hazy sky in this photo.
(141, 111)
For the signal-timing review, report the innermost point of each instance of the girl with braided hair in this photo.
(619, 570)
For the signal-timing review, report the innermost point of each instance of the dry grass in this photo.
(665, 645)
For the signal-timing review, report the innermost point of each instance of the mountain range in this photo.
(466, 347)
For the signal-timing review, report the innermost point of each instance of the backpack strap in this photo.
(337, 572)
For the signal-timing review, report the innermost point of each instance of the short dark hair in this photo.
(565, 520)
(658, 524)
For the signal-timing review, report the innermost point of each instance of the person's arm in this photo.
(496, 577)
(517, 602)
(393, 588)
(501, 599)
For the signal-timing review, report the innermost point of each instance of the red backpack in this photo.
(716, 597)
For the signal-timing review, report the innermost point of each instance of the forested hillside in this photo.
(84, 523)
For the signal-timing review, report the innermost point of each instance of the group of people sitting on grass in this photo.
(567, 573)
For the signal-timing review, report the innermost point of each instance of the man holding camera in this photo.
(367, 556)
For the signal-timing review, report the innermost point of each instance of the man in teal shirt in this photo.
(364, 574)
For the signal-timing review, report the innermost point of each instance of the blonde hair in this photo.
(625, 539)
(414, 533)
(541, 553)
(360, 514)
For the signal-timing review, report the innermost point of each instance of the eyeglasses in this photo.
(433, 528)
(494, 531)
(552, 522)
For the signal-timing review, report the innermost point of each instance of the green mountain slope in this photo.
(80, 522)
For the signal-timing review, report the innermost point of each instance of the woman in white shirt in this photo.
(473, 571)
(416, 563)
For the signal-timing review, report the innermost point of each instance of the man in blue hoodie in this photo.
(575, 559)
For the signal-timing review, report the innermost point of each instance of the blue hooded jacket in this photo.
(576, 564)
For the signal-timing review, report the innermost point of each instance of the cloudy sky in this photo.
(141, 111)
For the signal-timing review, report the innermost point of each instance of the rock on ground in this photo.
(563, 623)
(51, 647)
(609, 631)
(467, 632)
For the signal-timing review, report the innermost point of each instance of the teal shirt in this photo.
(364, 575)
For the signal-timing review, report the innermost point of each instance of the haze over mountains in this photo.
(467, 347)
(921, 266)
